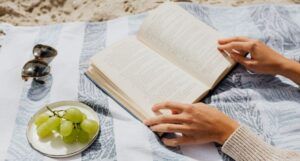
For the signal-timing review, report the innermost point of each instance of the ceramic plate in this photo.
(53, 146)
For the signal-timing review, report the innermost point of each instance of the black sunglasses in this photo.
(39, 68)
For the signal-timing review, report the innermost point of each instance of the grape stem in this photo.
(55, 113)
(76, 125)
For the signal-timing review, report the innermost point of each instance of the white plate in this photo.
(53, 146)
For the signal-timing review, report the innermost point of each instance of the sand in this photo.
(41, 12)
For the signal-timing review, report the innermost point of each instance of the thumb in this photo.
(181, 140)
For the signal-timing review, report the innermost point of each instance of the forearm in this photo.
(291, 70)
(243, 145)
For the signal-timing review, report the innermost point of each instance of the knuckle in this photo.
(188, 118)
(256, 41)
(175, 142)
(189, 105)
(230, 45)
(201, 104)
(237, 37)
(254, 44)
(193, 129)
(168, 127)
(189, 128)
(240, 38)
(189, 108)
(168, 103)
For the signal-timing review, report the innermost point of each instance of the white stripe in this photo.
(15, 51)
(65, 67)
(131, 139)
(72, 158)
(207, 152)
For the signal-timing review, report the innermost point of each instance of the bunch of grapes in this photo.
(71, 124)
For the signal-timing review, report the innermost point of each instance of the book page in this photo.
(145, 76)
(113, 91)
(185, 41)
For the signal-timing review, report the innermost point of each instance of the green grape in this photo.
(83, 116)
(41, 119)
(70, 138)
(73, 114)
(57, 129)
(53, 122)
(89, 126)
(83, 137)
(43, 130)
(46, 128)
(66, 128)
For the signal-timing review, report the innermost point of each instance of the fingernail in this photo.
(153, 107)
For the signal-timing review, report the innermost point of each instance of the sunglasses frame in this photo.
(39, 58)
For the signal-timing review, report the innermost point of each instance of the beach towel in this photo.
(269, 105)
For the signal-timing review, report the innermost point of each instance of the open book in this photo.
(173, 57)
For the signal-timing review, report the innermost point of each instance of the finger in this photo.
(227, 53)
(199, 104)
(170, 128)
(169, 105)
(173, 111)
(248, 63)
(238, 58)
(178, 141)
(231, 39)
(176, 119)
(241, 47)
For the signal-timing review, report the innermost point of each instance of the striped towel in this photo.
(269, 105)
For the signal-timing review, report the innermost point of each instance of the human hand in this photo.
(198, 123)
(263, 59)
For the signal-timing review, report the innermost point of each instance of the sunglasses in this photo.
(39, 68)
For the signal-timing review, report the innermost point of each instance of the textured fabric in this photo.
(269, 106)
(243, 145)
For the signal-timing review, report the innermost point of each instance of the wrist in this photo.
(228, 130)
(288, 67)
(283, 67)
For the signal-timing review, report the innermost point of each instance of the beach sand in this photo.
(41, 12)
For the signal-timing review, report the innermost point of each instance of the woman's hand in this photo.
(263, 59)
(198, 123)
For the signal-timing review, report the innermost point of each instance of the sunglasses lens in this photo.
(44, 52)
(35, 69)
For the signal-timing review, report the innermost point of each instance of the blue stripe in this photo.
(104, 147)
